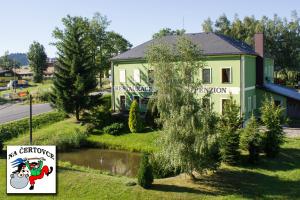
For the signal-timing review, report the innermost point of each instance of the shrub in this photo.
(230, 122)
(43, 96)
(13, 129)
(160, 170)
(114, 129)
(251, 139)
(68, 141)
(99, 117)
(134, 122)
(145, 176)
(271, 116)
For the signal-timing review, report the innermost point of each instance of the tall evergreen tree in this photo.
(37, 60)
(229, 124)
(272, 118)
(74, 76)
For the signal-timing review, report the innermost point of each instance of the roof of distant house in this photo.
(210, 43)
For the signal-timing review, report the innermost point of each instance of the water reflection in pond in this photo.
(115, 161)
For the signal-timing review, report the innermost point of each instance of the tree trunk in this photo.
(100, 80)
(77, 113)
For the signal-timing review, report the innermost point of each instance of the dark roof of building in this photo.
(210, 44)
(3, 70)
(284, 91)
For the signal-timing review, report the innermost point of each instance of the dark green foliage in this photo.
(98, 117)
(8, 62)
(230, 122)
(1, 145)
(152, 115)
(114, 129)
(13, 129)
(160, 170)
(273, 137)
(167, 31)
(145, 175)
(280, 33)
(134, 122)
(74, 76)
(37, 60)
(251, 139)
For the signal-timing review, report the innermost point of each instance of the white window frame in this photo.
(210, 75)
(136, 76)
(249, 104)
(230, 78)
(122, 72)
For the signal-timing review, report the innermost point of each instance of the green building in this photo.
(232, 67)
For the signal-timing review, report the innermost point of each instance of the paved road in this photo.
(292, 132)
(10, 112)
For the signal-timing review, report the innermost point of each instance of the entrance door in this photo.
(122, 103)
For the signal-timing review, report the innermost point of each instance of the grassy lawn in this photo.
(145, 142)
(63, 134)
(34, 87)
(271, 179)
(277, 178)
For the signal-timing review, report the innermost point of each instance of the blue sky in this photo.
(23, 21)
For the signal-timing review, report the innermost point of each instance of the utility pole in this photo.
(30, 117)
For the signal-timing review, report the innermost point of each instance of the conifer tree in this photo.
(273, 137)
(145, 174)
(229, 124)
(134, 121)
(251, 139)
(74, 76)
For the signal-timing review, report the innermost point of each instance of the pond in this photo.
(115, 161)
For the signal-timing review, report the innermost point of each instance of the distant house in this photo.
(5, 76)
(26, 73)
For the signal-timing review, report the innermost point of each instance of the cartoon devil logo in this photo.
(28, 172)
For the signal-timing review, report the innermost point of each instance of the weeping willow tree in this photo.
(189, 140)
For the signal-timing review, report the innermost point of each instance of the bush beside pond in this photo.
(114, 129)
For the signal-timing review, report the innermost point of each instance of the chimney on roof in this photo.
(259, 44)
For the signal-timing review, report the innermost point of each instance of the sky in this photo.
(25, 21)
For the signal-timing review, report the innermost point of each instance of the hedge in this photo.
(15, 128)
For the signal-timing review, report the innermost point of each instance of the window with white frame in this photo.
(249, 104)
(136, 75)
(226, 75)
(206, 75)
(254, 102)
(122, 76)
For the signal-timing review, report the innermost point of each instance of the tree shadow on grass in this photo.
(181, 189)
(288, 159)
(252, 184)
(246, 180)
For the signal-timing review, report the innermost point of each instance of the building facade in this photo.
(232, 68)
